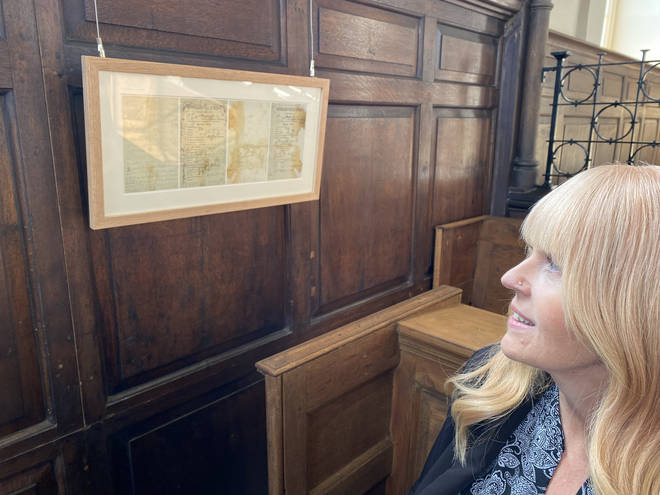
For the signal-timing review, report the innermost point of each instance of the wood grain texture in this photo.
(461, 172)
(455, 254)
(336, 419)
(163, 321)
(366, 204)
(234, 28)
(433, 346)
(186, 320)
(21, 402)
(473, 254)
(465, 56)
(366, 39)
(34, 268)
(274, 429)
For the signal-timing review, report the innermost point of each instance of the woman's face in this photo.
(536, 330)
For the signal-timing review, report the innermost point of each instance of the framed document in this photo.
(171, 141)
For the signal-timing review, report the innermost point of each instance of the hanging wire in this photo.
(311, 41)
(99, 41)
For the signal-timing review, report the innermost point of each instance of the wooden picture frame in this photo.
(168, 141)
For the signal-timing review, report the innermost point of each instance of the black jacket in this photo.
(442, 475)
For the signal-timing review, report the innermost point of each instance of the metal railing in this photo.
(598, 107)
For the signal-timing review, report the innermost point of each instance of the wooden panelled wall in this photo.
(617, 83)
(127, 355)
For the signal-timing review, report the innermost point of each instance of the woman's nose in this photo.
(514, 280)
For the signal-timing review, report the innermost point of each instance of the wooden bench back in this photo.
(473, 254)
(355, 410)
(329, 404)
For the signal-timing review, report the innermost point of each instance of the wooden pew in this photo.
(355, 411)
(473, 254)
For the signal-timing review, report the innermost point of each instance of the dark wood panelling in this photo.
(165, 321)
(366, 203)
(461, 169)
(21, 401)
(486, 21)
(36, 481)
(212, 449)
(161, 318)
(465, 56)
(231, 28)
(39, 353)
(353, 36)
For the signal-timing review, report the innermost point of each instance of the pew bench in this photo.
(356, 410)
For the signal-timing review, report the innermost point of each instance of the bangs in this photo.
(555, 225)
(601, 213)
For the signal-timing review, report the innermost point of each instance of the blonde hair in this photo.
(602, 227)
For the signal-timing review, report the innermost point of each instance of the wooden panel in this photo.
(352, 424)
(36, 481)
(21, 400)
(433, 409)
(366, 203)
(353, 36)
(334, 403)
(318, 383)
(233, 28)
(462, 157)
(465, 56)
(160, 318)
(473, 254)
(456, 255)
(612, 85)
(162, 315)
(433, 346)
(499, 249)
(212, 449)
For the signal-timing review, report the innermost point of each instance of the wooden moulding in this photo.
(296, 356)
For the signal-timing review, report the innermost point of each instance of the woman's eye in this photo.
(551, 265)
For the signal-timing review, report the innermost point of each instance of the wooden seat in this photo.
(356, 410)
(473, 254)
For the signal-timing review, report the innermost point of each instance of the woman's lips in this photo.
(517, 319)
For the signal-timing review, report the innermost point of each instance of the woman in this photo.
(569, 401)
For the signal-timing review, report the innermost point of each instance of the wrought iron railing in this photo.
(627, 137)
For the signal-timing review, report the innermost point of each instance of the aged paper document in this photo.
(248, 141)
(150, 126)
(287, 132)
(203, 142)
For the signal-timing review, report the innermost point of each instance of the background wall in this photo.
(622, 26)
(636, 28)
(127, 355)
